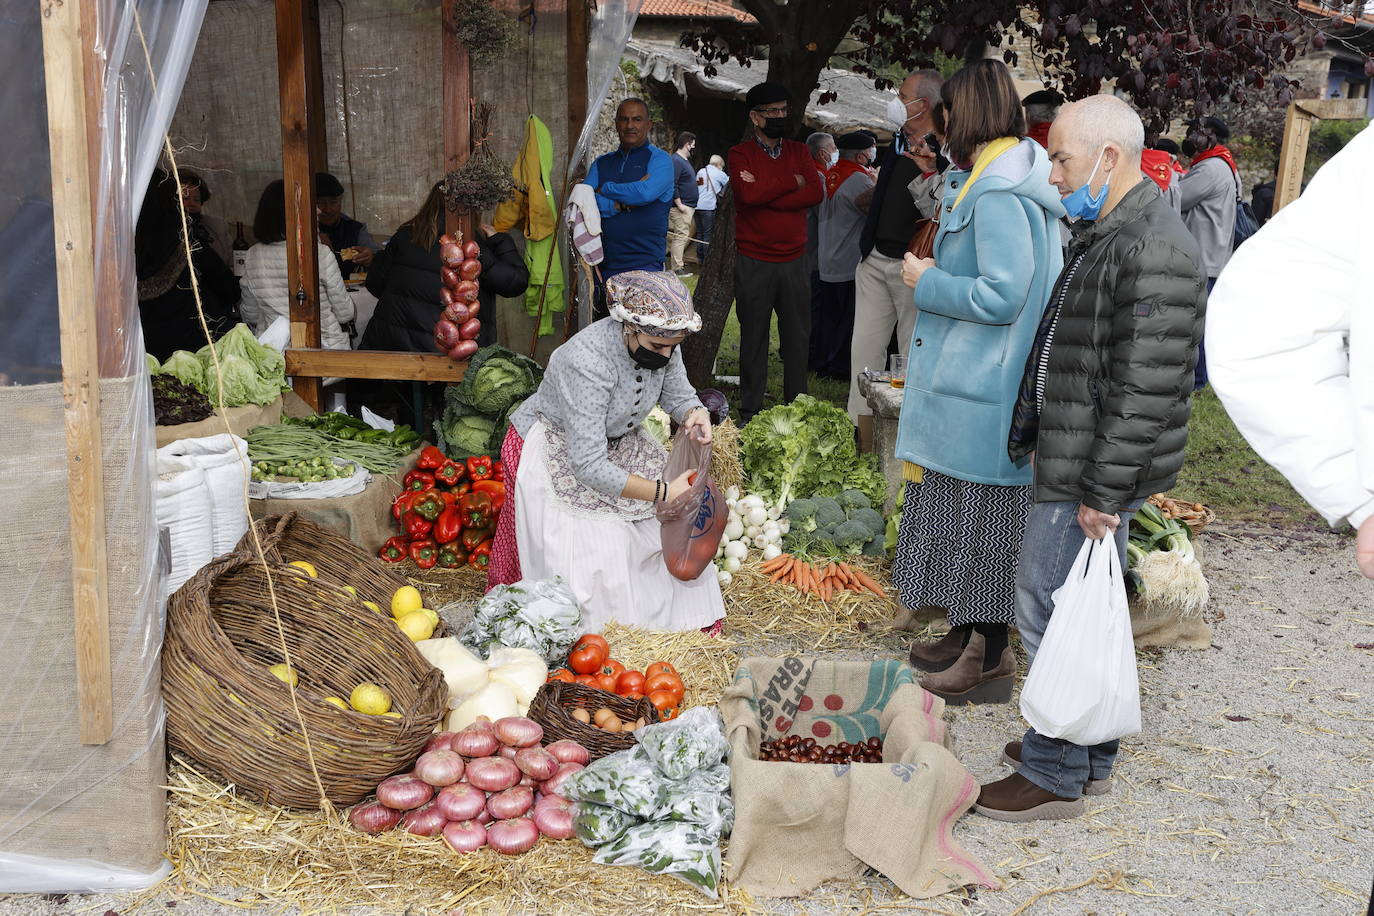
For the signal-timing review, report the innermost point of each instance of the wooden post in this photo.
(1297, 128)
(314, 86)
(302, 231)
(63, 54)
(578, 37)
(457, 111)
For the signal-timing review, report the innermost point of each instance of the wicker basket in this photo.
(555, 700)
(1184, 512)
(337, 559)
(227, 711)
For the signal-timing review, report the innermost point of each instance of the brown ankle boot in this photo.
(965, 681)
(937, 654)
(1018, 800)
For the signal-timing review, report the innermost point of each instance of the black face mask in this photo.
(773, 128)
(648, 359)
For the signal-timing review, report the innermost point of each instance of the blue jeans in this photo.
(1048, 549)
(706, 222)
(1200, 370)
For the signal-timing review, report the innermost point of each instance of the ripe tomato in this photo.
(634, 696)
(662, 700)
(586, 680)
(659, 668)
(666, 682)
(669, 715)
(593, 639)
(612, 667)
(604, 682)
(630, 682)
(562, 674)
(586, 659)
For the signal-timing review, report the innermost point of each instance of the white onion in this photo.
(403, 792)
(465, 836)
(771, 552)
(552, 785)
(425, 821)
(569, 751)
(512, 837)
(553, 816)
(442, 742)
(775, 511)
(461, 801)
(517, 731)
(510, 803)
(756, 516)
(475, 742)
(736, 550)
(536, 763)
(374, 818)
(492, 774)
(732, 564)
(439, 768)
(762, 541)
(724, 577)
(752, 532)
(734, 528)
(732, 493)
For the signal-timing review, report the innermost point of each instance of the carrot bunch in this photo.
(825, 582)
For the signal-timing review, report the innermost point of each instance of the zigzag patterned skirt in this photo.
(958, 545)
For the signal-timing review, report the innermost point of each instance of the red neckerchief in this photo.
(1216, 152)
(838, 173)
(1155, 164)
(1040, 133)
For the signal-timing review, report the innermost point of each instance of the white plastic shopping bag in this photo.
(1083, 686)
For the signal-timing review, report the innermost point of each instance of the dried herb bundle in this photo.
(483, 181)
(484, 30)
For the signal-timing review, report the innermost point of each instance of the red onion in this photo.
(425, 821)
(465, 291)
(462, 350)
(483, 816)
(471, 250)
(449, 277)
(404, 792)
(439, 768)
(470, 270)
(527, 780)
(493, 774)
(448, 239)
(465, 836)
(374, 818)
(554, 785)
(447, 296)
(473, 308)
(450, 255)
(476, 743)
(470, 329)
(447, 334)
(440, 742)
(513, 836)
(554, 817)
(509, 752)
(536, 763)
(510, 803)
(517, 731)
(457, 312)
(460, 801)
(569, 751)
(481, 724)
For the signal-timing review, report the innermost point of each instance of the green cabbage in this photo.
(463, 434)
(186, 368)
(496, 378)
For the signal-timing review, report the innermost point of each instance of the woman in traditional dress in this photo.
(584, 477)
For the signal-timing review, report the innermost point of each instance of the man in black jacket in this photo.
(1103, 407)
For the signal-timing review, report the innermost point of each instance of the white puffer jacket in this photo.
(267, 295)
(1290, 338)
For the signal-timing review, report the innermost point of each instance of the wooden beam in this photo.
(578, 38)
(314, 86)
(302, 231)
(1297, 127)
(457, 108)
(73, 232)
(1334, 109)
(377, 364)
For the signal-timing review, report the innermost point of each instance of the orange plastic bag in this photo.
(692, 524)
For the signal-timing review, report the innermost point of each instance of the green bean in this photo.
(295, 443)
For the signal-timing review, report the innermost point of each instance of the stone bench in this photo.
(886, 404)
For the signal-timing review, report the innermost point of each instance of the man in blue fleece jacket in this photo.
(634, 191)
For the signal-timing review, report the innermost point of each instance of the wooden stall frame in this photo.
(1297, 128)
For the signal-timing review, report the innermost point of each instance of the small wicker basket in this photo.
(553, 705)
(230, 714)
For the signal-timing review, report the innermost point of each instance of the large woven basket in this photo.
(337, 559)
(555, 701)
(227, 711)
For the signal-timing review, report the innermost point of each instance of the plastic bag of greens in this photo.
(624, 780)
(704, 800)
(692, 742)
(685, 851)
(597, 825)
(531, 614)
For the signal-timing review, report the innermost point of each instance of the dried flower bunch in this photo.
(484, 30)
(483, 181)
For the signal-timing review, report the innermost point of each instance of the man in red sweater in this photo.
(775, 181)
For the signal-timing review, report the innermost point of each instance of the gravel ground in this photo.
(1251, 789)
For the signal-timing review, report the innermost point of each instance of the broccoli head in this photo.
(870, 519)
(828, 512)
(875, 548)
(850, 500)
(801, 514)
(850, 537)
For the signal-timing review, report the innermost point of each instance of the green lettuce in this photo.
(186, 368)
(242, 383)
(154, 367)
(806, 448)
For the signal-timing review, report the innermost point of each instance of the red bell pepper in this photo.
(479, 467)
(452, 557)
(448, 526)
(497, 490)
(424, 552)
(401, 504)
(463, 486)
(480, 556)
(498, 470)
(394, 550)
(471, 537)
(418, 480)
(449, 497)
(430, 459)
(416, 526)
(450, 473)
(427, 504)
(477, 508)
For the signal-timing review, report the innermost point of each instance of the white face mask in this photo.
(834, 158)
(897, 111)
(872, 157)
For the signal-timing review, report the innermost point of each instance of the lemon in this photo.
(336, 701)
(406, 599)
(283, 673)
(416, 625)
(351, 590)
(370, 699)
(372, 606)
(433, 617)
(308, 567)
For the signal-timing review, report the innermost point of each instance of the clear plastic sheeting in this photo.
(77, 817)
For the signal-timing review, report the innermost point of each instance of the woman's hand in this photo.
(679, 485)
(698, 425)
(488, 230)
(913, 267)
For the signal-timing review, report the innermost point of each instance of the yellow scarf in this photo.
(985, 159)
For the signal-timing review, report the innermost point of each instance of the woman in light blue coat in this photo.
(979, 301)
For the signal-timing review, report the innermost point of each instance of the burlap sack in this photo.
(799, 825)
(1166, 629)
(241, 419)
(60, 799)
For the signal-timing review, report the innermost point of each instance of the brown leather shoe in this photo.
(1016, 799)
(1011, 756)
(937, 654)
(965, 681)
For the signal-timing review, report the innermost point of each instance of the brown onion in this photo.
(471, 250)
(470, 270)
(462, 350)
(493, 774)
(374, 818)
(425, 821)
(404, 792)
(439, 768)
(537, 763)
(553, 784)
(553, 816)
(469, 330)
(511, 803)
(440, 742)
(512, 837)
(465, 836)
(475, 743)
(568, 751)
(461, 801)
(518, 731)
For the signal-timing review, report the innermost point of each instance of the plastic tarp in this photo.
(77, 817)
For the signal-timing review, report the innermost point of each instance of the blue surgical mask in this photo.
(1081, 204)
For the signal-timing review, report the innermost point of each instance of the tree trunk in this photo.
(714, 296)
